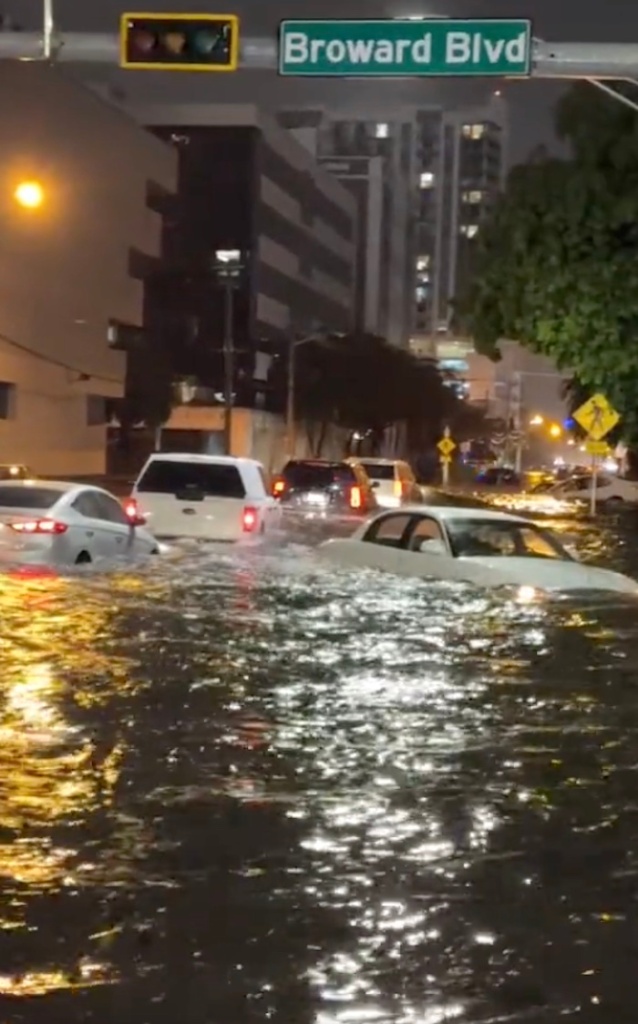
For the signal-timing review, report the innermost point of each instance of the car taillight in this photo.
(47, 526)
(249, 519)
(278, 487)
(131, 510)
(355, 497)
(398, 489)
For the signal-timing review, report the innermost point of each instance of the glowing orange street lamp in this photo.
(555, 430)
(29, 194)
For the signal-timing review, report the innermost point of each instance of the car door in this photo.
(112, 534)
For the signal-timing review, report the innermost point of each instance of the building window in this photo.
(422, 262)
(469, 230)
(426, 179)
(96, 412)
(381, 131)
(473, 197)
(7, 400)
(473, 131)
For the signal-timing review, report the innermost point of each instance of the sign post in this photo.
(598, 417)
(446, 446)
(397, 47)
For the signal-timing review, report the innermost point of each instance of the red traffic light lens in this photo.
(143, 42)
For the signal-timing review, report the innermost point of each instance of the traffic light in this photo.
(179, 42)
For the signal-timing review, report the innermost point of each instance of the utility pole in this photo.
(228, 268)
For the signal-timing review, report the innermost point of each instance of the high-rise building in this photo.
(462, 168)
(376, 160)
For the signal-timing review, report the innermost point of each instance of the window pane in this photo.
(28, 497)
(378, 471)
(320, 474)
(391, 528)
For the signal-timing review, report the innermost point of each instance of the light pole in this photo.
(228, 268)
(516, 403)
(291, 438)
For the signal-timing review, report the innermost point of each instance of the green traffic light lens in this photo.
(207, 42)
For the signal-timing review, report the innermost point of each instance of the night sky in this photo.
(530, 102)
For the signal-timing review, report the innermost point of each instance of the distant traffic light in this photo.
(179, 42)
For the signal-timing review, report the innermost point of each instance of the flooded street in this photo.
(241, 787)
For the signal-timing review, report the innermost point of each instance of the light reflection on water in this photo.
(248, 787)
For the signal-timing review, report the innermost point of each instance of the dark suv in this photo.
(317, 487)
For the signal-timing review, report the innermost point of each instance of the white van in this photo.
(393, 481)
(209, 497)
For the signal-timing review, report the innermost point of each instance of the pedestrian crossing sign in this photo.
(597, 417)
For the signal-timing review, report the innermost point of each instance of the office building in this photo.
(71, 264)
(246, 185)
(463, 158)
(374, 159)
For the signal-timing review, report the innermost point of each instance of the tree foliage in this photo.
(557, 266)
(362, 383)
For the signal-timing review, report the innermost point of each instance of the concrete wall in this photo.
(64, 268)
(255, 434)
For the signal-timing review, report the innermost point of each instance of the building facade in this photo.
(245, 185)
(463, 159)
(375, 160)
(68, 266)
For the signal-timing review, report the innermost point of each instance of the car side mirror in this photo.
(432, 546)
(374, 484)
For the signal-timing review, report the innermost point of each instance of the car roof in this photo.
(215, 460)
(445, 512)
(370, 460)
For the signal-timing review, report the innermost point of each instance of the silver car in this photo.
(53, 523)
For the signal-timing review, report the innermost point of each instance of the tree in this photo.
(557, 266)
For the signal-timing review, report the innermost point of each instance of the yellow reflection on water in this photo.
(89, 973)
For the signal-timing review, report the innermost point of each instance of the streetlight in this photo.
(555, 431)
(228, 268)
(29, 194)
(291, 439)
(536, 421)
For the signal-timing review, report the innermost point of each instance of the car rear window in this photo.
(15, 473)
(317, 474)
(28, 497)
(213, 480)
(379, 470)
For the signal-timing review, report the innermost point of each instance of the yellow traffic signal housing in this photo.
(179, 42)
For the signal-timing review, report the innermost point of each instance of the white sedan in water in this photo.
(53, 523)
(470, 545)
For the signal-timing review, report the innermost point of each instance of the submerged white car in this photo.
(491, 549)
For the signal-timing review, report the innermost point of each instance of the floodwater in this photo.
(245, 788)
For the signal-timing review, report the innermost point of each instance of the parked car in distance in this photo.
(392, 480)
(15, 471)
(610, 490)
(321, 488)
(206, 497)
(54, 523)
(486, 548)
(498, 476)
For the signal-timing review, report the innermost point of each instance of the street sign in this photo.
(395, 47)
(179, 42)
(446, 446)
(596, 447)
(597, 417)
(446, 459)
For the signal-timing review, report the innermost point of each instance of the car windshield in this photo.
(379, 470)
(215, 480)
(40, 498)
(317, 475)
(476, 538)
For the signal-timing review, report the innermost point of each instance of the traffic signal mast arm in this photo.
(596, 61)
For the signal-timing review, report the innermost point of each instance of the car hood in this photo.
(550, 574)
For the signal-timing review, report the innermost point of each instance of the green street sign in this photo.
(391, 48)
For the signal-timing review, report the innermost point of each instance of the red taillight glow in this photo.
(249, 519)
(131, 510)
(355, 497)
(278, 488)
(47, 526)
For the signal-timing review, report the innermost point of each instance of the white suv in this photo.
(209, 497)
(393, 481)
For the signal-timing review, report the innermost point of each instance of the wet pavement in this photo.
(241, 787)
